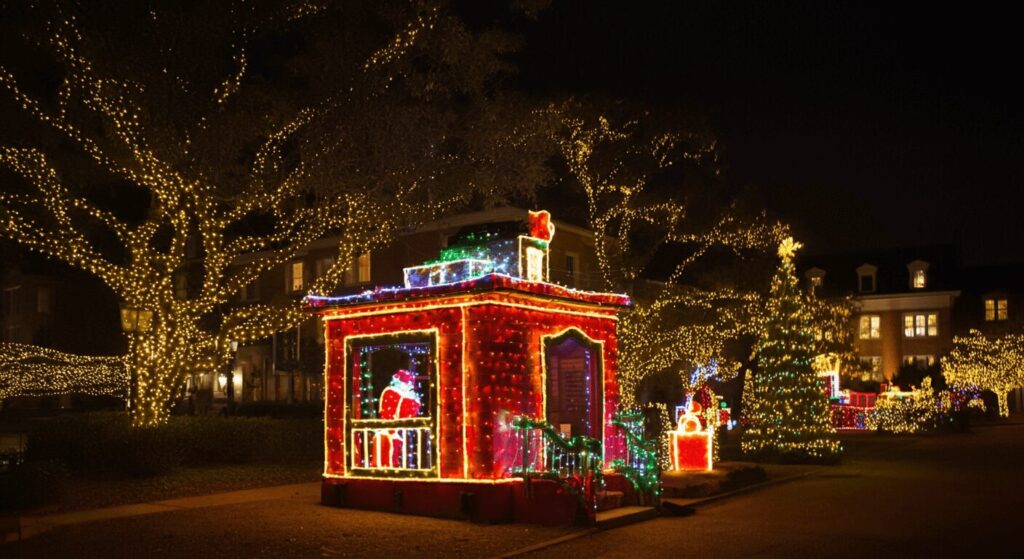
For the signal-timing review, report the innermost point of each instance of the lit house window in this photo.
(364, 267)
(920, 325)
(919, 279)
(296, 276)
(872, 365)
(359, 271)
(995, 309)
(866, 274)
(815, 278)
(919, 361)
(918, 274)
(870, 327)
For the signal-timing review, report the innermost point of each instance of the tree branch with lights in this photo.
(27, 370)
(231, 186)
(646, 209)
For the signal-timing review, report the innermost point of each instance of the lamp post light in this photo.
(229, 375)
(134, 322)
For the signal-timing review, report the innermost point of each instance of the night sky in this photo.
(863, 126)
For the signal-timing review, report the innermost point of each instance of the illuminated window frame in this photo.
(920, 325)
(295, 278)
(431, 336)
(996, 309)
(919, 280)
(920, 361)
(359, 270)
(870, 327)
(873, 364)
(596, 347)
(918, 274)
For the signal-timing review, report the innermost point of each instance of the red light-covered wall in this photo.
(492, 342)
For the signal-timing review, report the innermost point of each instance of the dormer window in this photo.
(815, 278)
(866, 275)
(918, 274)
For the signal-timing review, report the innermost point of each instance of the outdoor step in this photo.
(609, 500)
(624, 516)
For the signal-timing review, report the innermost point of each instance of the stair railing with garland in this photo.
(574, 462)
(641, 464)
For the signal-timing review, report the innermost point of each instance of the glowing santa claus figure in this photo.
(398, 401)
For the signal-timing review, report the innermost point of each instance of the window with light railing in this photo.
(390, 397)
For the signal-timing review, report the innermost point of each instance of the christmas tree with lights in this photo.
(789, 414)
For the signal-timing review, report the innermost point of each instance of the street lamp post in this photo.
(134, 322)
(229, 375)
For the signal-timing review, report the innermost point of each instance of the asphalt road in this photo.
(937, 496)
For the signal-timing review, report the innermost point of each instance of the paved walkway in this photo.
(34, 525)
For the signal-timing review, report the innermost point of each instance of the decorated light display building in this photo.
(429, 385)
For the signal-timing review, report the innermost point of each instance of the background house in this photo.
(905, 300)
(289, 366)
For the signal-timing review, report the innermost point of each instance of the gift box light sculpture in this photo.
(692, 443)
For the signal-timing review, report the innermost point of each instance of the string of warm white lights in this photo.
(672, 326)
(978, 362)
(908, 412)
(27, 370)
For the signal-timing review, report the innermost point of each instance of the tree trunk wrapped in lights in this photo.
(356, 145)
(788, 415)
(978, 362)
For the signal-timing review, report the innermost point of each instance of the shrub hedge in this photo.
(105, 443)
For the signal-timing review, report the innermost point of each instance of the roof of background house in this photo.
(892, 276)
(997, 278)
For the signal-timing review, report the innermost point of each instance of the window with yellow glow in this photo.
(872, 365)
(295, 276)
(870, 327)
(920, 325)
(359, 271)
(995, 309)
(919, 361)
(919, 279)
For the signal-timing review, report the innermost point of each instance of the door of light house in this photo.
(574, 396)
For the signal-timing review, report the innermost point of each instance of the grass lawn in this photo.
(82, 493)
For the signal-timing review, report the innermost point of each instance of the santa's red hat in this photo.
(405, 377)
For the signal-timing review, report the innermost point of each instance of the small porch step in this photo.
(624, 516)
(607, 500)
